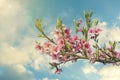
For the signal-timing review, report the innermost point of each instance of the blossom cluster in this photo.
(66, 47)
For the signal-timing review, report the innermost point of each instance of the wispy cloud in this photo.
(110, 73)
(88, 69)
(49, 79)
(17, 47)
(14, 73)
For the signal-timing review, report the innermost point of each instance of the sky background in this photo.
(18, 58)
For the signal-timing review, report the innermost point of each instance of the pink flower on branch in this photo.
(39, 48)
(94, 31)
(64, 47)
(58, 71)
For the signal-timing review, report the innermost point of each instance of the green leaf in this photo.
(111, 44)
(114, 44)
(97, 52)
(38, 24)
(94, 46)
(59, 23)
(86, 15)
(90, 13)
(86, 33)
(96, 22)
(76, 25)
(41, 35)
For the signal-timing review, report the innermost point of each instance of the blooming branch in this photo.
(65, 47)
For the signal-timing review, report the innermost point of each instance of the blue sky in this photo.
(18, 58)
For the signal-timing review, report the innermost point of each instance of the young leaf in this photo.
(95, 22)
(59, 23)
(111, 44)
(90, 14)
(41, 35)
(86, 15)
(38, 25)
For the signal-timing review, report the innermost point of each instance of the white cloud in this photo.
(110, 73)
(13, 19)
(108, 33)
(11, 55)
(20, 68)
(45, 78)
(89, 69)
(12, 73)
(18, 49)
(49, 79)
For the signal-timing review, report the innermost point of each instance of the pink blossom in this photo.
(77, 48)
(91, 31)
(60, 58)
(75, 38)
(102, 55)
(92, 57)
(89, 50)
(54, 55)
(83, 41)
(97, 30)
(56, 49)
(38, 47)
(87, 45)
(47, 44)
(57, 34)
(109, 48)
(66, 57)
(60, 43)
(94, 31)
(117, 54)
(80, 30)
(67, 31)
(58, 71)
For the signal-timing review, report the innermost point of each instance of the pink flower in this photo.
(77, 48)
(97, 30)
(83, 41)
(61, 58)
(94, 31)
(47, 44)
(61, 41)
(91, 31)
(92, 57)
(38, 47)
(102, 55)
(80, 30)
(87, 45)
(89, 50)
(75, 38)
(58, 71)
(57, 34)
(117, 54)
(56, 49)
(54, 55)
(66, 58)
(109, 48)
(67, 31)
